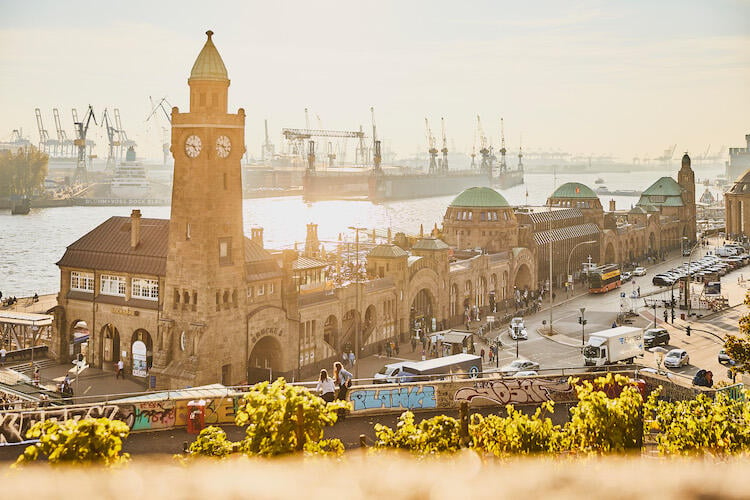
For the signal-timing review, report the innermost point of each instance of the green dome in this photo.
(574, 190)
(480, 197)
(209, 65)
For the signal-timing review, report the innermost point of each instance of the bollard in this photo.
(300, 428)
(463, 429)
(362, 441)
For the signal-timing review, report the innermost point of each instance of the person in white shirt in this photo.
(325, 386)
(3, 353)
(120, 370)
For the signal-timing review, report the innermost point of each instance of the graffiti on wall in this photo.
(407, 398)
(516, 391)
(14, 425)
(153, 415)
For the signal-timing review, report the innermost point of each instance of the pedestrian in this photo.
(344, 358)
(709, 378)
(325, 386)
(481, 353)
(398, 349)
(639, 291)
(343, 378)
(120, 369)
(388, 352)
(36, 297)
(380, 349)
(673, 314)
(3, 353)
(352, 359)
(413, 344)
(424, 356)
(37, 376)
(666, 315)
(614, 324)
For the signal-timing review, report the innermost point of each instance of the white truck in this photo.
(623, 343)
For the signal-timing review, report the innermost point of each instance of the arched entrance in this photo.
(609, 254)
(79, 336)
(265, 361)
(110, 343)
(331, 332)
(349, 326)
(523, 277)
(369, 325)
(422, 310)
(141, 352)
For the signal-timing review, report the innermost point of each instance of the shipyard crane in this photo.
(43, 134)
(62, 137)
(486, 165)
(82, 128)
(311, 156)
(667, 156)
(331, 154)
(125, 142)
(503, 165)
(376, 157)
(268, 151)
(165, 141)
(111, 141)
(444, 164)
(432, 149)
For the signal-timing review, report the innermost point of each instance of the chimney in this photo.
(135, 228)
(256, 235)
(611, 205)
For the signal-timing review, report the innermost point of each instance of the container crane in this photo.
(432, 149)
(111, 140)
(377, 156)
(444, 164)
(486, 165)
(503, 165)
(43, 134)
(125, 142)
(62, 138)
(82, 129)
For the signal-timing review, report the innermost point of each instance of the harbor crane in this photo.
(44, 140)
(432, 149)
(485, 151)
(377, 156)
(66, 144)
(331, 154)
(268, 151)
(444, 164)
(503, 165)
(82, 128)
(667, 156)
(311, 156)
(164, 105)
(111, 141)
(125, 142)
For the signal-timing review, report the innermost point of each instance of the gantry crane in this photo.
(82, 129)
(376, 157)
(125, 142)
(444, 163)
(165, 142)
(485, 151)
(267, 152)
(43, 134)
(503, 165)
(111, 141)
(65, 143)
(433, 168)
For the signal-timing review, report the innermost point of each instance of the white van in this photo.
(726, 251)
(388, 374)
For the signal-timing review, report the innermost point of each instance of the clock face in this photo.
(183, 340)
(193, 146)
(223, 146)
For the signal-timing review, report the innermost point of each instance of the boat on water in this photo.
(130, 179)
(599, 180)
(618, 192)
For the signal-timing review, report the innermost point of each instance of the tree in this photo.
(212, 442)
(22, 171)
(281, 418)
(88, 441)
(439, 434)
(738, 346)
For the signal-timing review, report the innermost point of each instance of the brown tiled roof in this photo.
(303, 263)
(107, 248)
(259, 263)
(566, 233)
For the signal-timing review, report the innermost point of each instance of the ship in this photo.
(130, 179)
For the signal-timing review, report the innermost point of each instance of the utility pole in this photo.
(357, 331)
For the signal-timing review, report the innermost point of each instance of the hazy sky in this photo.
(621, 78)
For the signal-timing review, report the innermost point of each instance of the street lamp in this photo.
(590, 242)
(357, 331)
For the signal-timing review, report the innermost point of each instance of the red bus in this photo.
(604, 278)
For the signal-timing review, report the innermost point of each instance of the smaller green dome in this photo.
(574, 190)
(480, 197)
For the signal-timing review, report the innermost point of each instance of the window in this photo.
(112, 285)
(142, 288)
(250, 292)
(225, 251)
(81, 281)
(261, 290)
(270, 289)
(187, 231)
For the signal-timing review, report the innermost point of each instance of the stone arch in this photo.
(77, 334)
(609, 253)
(350, 323)
(331, 332)
(265, 361)
(425, 279)
(110, 343)
(524, 266)
(422, 309)
(141, 352)
(370, 323)
(523, 277)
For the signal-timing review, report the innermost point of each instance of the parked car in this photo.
(389, 374)
(655, 336)
(639, 271)
(517, 329)
(626, 276)
(724, 357)
(676, 358)
(526, 373)
(519, 365)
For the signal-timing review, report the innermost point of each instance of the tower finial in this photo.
(210, 34)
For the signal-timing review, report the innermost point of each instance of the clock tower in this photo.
(204, 296)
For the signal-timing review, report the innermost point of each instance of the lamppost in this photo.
(589, 242)
(357, 331)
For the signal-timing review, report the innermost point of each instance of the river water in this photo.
(30, 245)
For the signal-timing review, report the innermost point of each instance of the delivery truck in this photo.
(614, 345)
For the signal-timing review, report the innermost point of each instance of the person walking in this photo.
(3, 353)
(413, 344)
(481, 353)
(326, 387)
(120, 371)
(352, 359)
(344, 358)
(666, 316)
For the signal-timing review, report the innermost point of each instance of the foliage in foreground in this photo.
(438, 434)
(87, 441)
(738, 346)
(517, 433)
